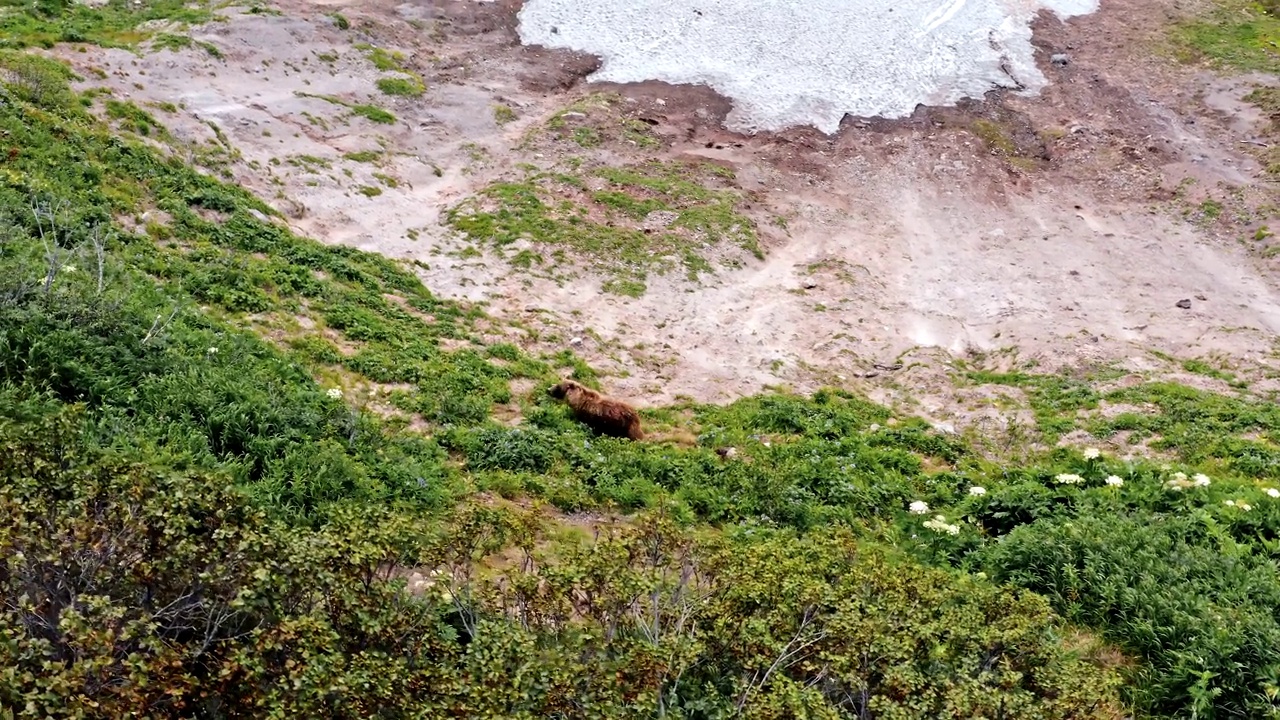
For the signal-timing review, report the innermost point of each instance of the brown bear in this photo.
(604, 415)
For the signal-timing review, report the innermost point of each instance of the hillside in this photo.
(965, 414)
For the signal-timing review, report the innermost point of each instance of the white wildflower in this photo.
(1200, 480)
(1273, 492)
(919, 507)
(939, 524)
(1092, 453)
(1114, 481)
(875, 427)
(1246, 506)
(335, 393)
(1180, 476)
(69, 268)
(213, 351)
(1229, 503)
(1069, 479)
(977, 491)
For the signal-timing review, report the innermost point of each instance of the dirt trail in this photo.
(1062, 226)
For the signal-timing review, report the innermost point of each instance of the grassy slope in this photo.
(203, 345)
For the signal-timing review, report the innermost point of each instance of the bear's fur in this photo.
(602, 414)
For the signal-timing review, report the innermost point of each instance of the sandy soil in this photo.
(1070, 244)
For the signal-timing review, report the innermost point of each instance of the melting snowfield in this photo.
(806, 62)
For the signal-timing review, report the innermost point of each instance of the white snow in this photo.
(806, 62)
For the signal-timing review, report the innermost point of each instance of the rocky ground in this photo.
(1115, 214)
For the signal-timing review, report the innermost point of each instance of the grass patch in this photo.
(600, 118)
(1267, 99)
(372, 113)
(401, 86)
(363, 156)
(134, 119)
(604, 227)
(1236, 35)
(116, 24)
(503, 114)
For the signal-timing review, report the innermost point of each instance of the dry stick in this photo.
(157, 327)
(50, 249)
(792, 649)
(99, 251)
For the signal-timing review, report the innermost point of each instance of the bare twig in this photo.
(158, 327)
(100, 252)
(790, 653)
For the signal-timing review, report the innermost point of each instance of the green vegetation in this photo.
(115, 24)
(407, 83)
(193, 602)
(604, 227)
(384, 60)
(598, 118)
(363, 156)
(372, 113)
(405, 86)
(1267, 99)
(168, 41)
(503, 114)
(1238, 34)
(246, 474)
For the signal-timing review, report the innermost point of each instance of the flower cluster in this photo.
(1092, 453)
(939, 524)
(1069, 479)
(1114, 481)
(919, 507)
(1179, 481)
(335, 393)
(977, 491)
(1272, 492)
(1244, 506)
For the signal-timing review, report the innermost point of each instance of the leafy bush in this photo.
(1200, 607)
(134, 590)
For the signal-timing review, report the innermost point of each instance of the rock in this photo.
(728, 453)
(576, 341)
(809, 284)
(1060, 60)
(1201, 298)
(1185, 303)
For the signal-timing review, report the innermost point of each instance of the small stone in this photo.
(1185, 303)
(1060, 60)
(1201, 298)
(728, 453)
(576, 341)
(809, 285)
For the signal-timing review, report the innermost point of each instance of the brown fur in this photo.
(602, 414)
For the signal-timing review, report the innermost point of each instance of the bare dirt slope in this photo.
(1062, 230)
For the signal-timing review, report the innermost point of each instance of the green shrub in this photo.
(1199, 607)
